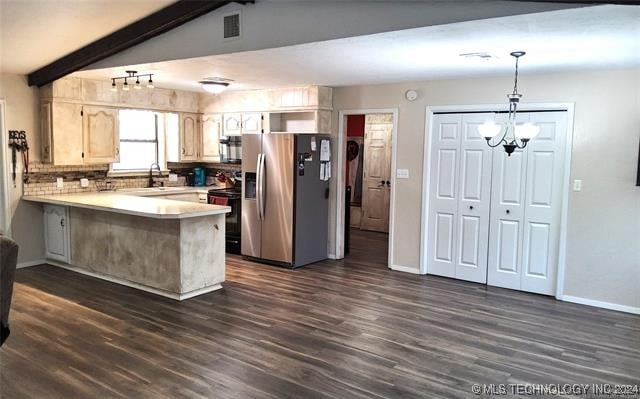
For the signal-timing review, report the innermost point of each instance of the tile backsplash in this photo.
(41, 178)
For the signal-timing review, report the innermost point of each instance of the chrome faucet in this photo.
(151, 181)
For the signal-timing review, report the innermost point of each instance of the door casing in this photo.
(339, 198)
(568, 107)
(5, 214)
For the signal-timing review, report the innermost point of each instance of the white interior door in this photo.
(443, 194)
(473, 201)
(525, 210)
(507, 212)
(495, 218)
(545, 169)
(376, 184)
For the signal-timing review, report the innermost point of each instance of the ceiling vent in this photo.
(232, 26)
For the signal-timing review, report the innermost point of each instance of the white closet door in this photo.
(473, 201)
(443, 194)
(545, 171)
(507, 214)
(525, 210)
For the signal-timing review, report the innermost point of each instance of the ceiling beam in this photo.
(135, 33)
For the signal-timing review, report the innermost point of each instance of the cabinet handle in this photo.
(508, 211)
(471, 207)
(62, 222)
(182, 150)
(117, 151)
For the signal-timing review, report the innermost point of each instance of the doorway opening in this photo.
(367, 184)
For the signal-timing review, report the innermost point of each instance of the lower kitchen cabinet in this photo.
(56, 233)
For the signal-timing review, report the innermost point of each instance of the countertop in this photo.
(131, 203)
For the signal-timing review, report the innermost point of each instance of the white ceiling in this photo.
(585, 38)
(34, 33)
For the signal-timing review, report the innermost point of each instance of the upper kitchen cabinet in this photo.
(309, 97)
(232, 124)
(101, 142)
(189, 137)
(211, 132)
(236, 123)
(61, 128)
(251, 123)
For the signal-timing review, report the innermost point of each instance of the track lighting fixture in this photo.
(131, 75)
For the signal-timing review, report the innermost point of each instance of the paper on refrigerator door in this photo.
(325, 150)
(325, 171)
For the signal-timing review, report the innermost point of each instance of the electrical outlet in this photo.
(59, 182)
(402, 173)
(84, 183)
(173, 177)
(577, 185)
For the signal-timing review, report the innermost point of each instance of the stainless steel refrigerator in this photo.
(284, 200)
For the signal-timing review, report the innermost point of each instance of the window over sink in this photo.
(142, 141)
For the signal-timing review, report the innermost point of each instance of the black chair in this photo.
(8, 262)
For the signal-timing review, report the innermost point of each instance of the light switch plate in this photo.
(59, 182)
(84, 183)
(577, 185)
(173, 177)
(402, 173)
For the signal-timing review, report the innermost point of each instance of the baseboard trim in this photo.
(166, 294)
(601, 304)
(331, 256)
(22, 265)
(405, 269)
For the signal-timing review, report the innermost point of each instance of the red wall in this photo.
(355, 125)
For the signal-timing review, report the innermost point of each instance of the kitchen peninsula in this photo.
(172, 248)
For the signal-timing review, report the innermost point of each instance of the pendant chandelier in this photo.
(515, 135)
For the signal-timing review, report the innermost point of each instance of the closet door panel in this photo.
(507, 212)
(443, 197)
(474, 201)
(545, 170)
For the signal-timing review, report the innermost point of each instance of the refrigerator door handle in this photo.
(262, 188)
(259, 185)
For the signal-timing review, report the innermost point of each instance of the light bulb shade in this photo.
(489, 129)
(526, 131)
(214, 87)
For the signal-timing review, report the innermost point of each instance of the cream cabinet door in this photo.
(56, 233)
(101, 138)
(189, 137)
(66, 133)
(252, 123)
(211, 132)
(232, 124)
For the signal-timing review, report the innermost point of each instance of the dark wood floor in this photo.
(350, 329)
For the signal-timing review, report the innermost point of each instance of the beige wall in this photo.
(22, 114)
(603, 243)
